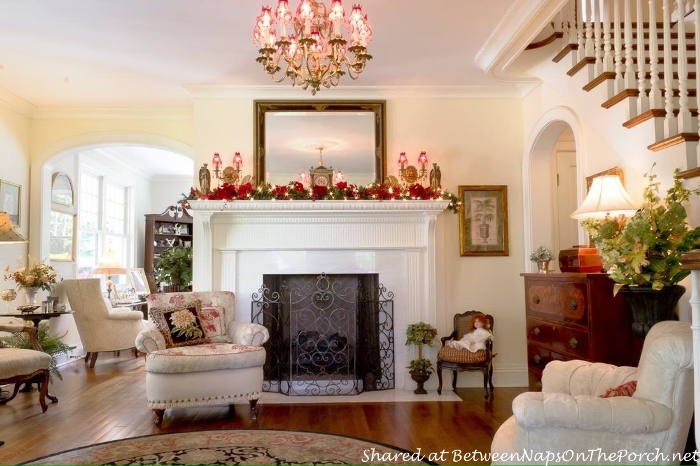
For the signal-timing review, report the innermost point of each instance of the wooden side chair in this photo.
(19, 366)
(458, 360)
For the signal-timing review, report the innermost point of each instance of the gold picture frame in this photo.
(483, 220)
(10, 201)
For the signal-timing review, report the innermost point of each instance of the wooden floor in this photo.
(109, 403)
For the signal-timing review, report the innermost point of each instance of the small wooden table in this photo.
(36, 317)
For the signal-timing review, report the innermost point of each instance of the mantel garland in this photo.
(340, 191)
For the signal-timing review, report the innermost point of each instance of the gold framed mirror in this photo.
(297, 136)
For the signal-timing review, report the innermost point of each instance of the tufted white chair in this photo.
(225, 371)
(569, 416)
(19, 365)
(100, 327)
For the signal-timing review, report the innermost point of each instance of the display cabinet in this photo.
(171, 228)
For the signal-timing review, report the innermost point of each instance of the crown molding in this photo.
(107, 113)
(280, 91)
(519, 26)
(15, 102)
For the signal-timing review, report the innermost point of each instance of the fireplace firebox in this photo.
(329, 334)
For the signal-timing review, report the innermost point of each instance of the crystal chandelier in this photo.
(310, 48)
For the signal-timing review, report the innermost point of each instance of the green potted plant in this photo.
(484, 213)
(174, 268)
(50, 343)
(642, 253)
(420, 334)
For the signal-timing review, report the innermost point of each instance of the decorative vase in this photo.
(30, 293)
(543, 267)
(420, 378)
(650, 306)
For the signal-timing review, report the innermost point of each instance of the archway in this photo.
(539, 178)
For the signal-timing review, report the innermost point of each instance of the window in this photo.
(103, 222)
(62, 222)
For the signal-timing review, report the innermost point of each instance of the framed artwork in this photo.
(137, 278)
(10, 200)
(483, 220)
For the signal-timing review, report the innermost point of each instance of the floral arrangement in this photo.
(541, 254)
(340, 191)
(645, 248)
(37, 274)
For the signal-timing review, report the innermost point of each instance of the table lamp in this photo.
(606, 198)
(7, 230)
(108, 265)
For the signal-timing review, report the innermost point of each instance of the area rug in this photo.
(255, 446)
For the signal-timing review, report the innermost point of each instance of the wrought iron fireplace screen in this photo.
(329, 334)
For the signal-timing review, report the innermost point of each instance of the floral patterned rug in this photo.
(256, 446)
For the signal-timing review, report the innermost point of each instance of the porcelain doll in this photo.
(474, 340)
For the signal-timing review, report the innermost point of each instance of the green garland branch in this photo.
(339, 191)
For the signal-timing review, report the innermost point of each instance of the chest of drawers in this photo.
(575, 316)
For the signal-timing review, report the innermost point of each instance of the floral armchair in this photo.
(197, 354)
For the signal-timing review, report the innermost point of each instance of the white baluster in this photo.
(655, 100)
(643, 98)
(617, 35)
(590, 45)
(630, 69)
(581, 26)
(608, 60)
(598, 38)
(684, 120)
(670, 123)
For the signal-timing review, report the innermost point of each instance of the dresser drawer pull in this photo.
(536, 299)
(536, 330)
(573, 304)
(573, 342)
(537, 359)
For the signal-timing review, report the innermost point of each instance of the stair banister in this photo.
(684, 120)
(617, 38)
(597, 38)
(655, 99)
(670, 127)
(643, 97)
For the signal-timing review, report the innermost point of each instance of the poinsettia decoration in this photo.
(340, 191)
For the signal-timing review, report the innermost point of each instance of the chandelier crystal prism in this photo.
(310, 47)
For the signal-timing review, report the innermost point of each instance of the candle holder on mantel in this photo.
(580, 258)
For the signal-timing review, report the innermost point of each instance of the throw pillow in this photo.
(625, 389)
(213, 320)
(180, 325)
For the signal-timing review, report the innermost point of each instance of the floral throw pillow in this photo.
(180, 325)
(626, 389)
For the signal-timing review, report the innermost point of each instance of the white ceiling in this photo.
(148, 53)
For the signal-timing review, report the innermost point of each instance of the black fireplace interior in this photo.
(329, 334)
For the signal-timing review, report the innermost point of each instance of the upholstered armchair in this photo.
(570, 417)
(220, 365)
(100, 327)
(18, 365)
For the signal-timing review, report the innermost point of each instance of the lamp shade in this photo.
(108, 265)
(7, 230)
(607, 197)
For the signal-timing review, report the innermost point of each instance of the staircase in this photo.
(639, 59)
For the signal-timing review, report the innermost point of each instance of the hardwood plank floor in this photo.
(109, 403)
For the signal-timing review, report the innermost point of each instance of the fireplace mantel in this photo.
(236, 242)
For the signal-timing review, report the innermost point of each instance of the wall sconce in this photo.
(410, 174)
(230, 174)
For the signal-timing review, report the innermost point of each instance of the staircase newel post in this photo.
(670, 123)
(643, 97)
(684, 120)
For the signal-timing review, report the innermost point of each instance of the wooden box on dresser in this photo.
(576, 316)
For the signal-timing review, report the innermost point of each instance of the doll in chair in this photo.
(474, 340)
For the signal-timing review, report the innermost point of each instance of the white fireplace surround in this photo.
(236, 242)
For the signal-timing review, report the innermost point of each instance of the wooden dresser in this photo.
(575, 316)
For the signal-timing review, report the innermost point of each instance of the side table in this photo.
(36, 317)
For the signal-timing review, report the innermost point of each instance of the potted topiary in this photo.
(174, 269)
(420, 369)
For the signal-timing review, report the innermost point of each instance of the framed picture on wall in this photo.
(10, 200)
(483, 220)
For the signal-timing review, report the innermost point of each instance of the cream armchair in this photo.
(225, 370)
(100, 328)
(570, 419)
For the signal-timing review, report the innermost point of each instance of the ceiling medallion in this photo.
(310, 48)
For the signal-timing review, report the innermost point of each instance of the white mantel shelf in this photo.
(402, 205)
